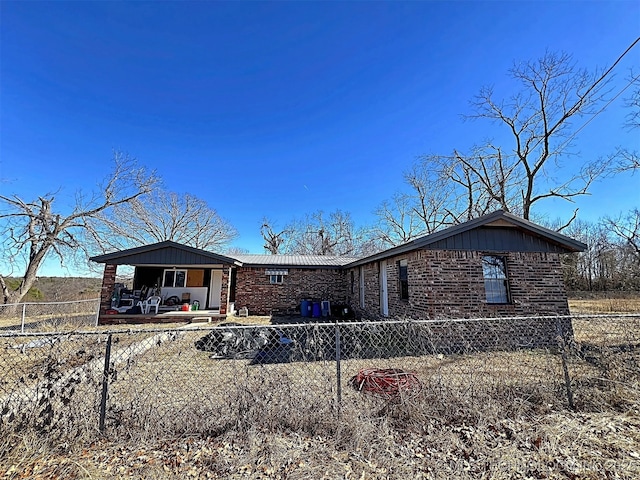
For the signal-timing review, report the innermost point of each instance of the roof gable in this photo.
(163, 253)
(497, 231)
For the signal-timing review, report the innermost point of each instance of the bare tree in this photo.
(396, 222)
(611, 260)
(538, 118)
(33, 230)
(273, 242)
(231, 251)
(335, 234)
(429, 205)
(162, 216)
(633, 103)
(532, 162)
(589, 270)
(627, 228)
(629, 160)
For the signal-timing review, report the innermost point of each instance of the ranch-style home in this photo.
(495, 265)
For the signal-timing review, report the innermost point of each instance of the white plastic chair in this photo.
(151, 302)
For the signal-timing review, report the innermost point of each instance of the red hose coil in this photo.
(388, 383)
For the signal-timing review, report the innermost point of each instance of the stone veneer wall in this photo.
(450, 284)
(254, 291)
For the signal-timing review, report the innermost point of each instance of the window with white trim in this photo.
(276, 277)
(174, 278)
(496, 285)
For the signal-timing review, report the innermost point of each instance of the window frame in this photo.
(174, 271)
(495, 275)
(403, 279)
(276, 275)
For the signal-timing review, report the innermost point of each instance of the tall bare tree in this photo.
(273, 241)
(533, 161)
(161, 216)
(31, 231)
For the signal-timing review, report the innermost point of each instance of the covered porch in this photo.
(173, 281)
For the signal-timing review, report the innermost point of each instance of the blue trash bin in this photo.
(304, 308)
(316, 312)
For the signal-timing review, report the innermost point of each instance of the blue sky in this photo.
(279, 109)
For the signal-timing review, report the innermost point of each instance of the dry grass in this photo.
(604, 305)
(251, 320)
(556, 446)
(68, 321)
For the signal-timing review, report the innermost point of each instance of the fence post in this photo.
(338, 375)
(565, 367)
(105, 383)
(98, 315)
(24, 312)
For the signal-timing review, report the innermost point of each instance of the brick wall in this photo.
(372, 288)
(108, 282)
(450, 284)
(224, 290)
(254, 291)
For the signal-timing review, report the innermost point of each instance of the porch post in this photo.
(108, 283)
(224, 290)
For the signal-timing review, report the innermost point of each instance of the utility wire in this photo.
(574, 108)
(631, 82)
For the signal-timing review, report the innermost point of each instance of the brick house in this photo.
(495, 265)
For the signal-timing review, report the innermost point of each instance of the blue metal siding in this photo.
(496, 239)
(165, 256)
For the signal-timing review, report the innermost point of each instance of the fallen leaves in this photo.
(560, 446)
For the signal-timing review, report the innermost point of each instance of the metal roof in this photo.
(499, 231)
(163, 253)
(308, 261)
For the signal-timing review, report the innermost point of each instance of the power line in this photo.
(631, 82)
(575, 107)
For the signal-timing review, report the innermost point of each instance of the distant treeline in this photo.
(60, 289)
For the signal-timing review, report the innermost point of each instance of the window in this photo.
(353, 282)
(494, 269)
(361, 286)
(276, 277)
(174, 278)
(403, 278)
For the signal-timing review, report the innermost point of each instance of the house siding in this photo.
(450, 284)
(254, 291)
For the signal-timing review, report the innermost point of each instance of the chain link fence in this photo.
(208, 380)
(39, 316)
